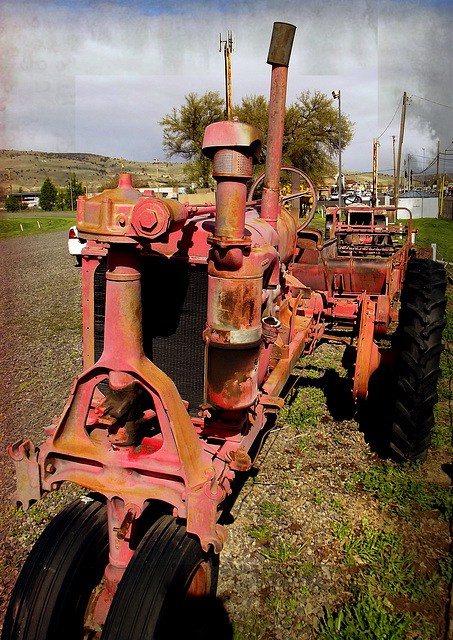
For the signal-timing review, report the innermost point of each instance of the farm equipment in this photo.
(193, 320)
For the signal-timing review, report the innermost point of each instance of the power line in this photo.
(432, 102)
(393, 117)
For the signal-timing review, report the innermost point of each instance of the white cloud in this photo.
(98, 76)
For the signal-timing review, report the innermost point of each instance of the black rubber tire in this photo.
(152, 600)
(66, 563)
(419, 344)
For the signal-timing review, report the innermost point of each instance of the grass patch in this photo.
(249, 629)
(341, 530)
(271, 510)
(11, 227)
(382, 556)
(400, 489)
(367, 617)
(304, 408)
(440, 232)
(261, 533)
(384, 571)
(283, 553)
(28, 525)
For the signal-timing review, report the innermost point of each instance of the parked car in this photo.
(75, 244)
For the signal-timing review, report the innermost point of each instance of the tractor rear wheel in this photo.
(54, 586)
(165, 589)
(419, 344)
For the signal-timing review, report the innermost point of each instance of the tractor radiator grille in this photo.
(174, 301)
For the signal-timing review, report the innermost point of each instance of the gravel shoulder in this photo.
(40, 352)
(302, 492)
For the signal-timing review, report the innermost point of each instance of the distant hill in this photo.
(29, 169)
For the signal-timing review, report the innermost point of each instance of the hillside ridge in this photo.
(27, 170)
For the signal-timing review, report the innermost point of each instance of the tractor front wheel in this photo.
(65, 565)
(167, 588)
(418, 341)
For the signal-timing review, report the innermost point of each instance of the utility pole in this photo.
(375, 180)
(400, 147)
(424, 164)
(438, 168)
(10, 183)
(336, 95)
(156, 162)
(394, 167)
(227, 50)
(409, 177)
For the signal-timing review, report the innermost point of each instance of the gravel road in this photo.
(40, 352)
(294, 502)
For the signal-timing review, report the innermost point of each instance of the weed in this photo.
(283, 553)
(6, 514)
(446, 569)
(317, 496)
(307, 569)
(382, 555)
(304, 408)
(400, 488)
(271, 510)
(341, 530)
(366, 617)
(249, 628)
(337, 505)
(386, 567)
(304, 443)
(441, 435)
(261, 533)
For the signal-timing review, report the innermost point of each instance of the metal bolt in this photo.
(148, 219)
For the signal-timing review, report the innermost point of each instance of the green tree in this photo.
(311, 138)
(255, 111)
(311, 134)
(60, 200)
(48, 195)
(12, 204)
(310, 142)
(184, 130)
(73, 190)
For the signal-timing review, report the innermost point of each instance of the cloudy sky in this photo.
(97, 76)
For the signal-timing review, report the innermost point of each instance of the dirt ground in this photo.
(297, 513)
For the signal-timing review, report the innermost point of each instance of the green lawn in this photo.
(26, 226)
(440, 232)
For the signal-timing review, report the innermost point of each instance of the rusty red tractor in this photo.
(193, 320)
